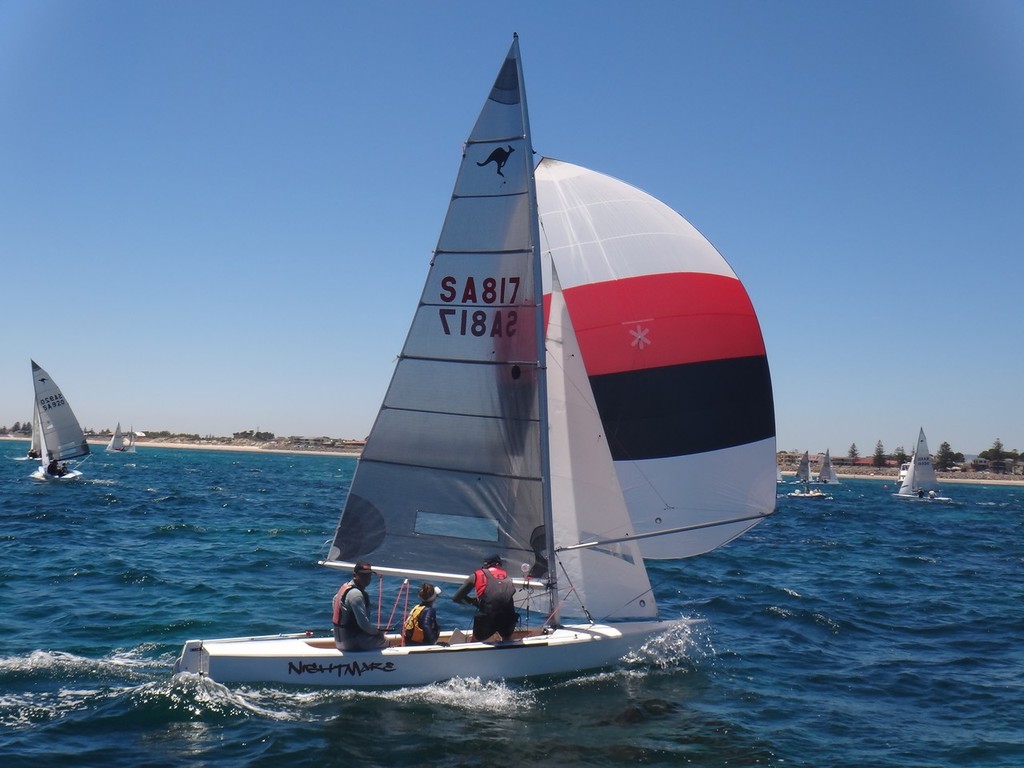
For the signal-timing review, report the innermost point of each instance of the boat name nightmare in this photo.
(51, 401)
(352, 669)
(479, 322)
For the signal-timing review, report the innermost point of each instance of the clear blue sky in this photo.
(217, 216)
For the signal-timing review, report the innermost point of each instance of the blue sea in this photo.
(861, 631)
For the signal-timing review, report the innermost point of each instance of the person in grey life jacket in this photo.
(494, 600)
(353, 630)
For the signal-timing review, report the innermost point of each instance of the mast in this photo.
(538, 282)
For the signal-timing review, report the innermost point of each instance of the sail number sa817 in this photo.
(480, 301)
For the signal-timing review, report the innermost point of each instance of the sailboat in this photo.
(827, 475)
(491, 438)
(121, 442)
(35, 448)
(804, 477)
(920, 482)
(803, 470)
(61, 435)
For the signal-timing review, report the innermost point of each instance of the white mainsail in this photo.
(61, 434)
(117, 440)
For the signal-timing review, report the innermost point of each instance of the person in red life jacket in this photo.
(494, 600)
(421, 628)
(353, 630)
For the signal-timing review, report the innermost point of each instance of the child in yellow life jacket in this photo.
(421, 626)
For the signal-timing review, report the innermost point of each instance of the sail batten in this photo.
(424, 465)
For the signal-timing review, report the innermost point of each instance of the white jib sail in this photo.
(609, 577)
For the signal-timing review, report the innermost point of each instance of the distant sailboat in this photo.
(920, 482)
(35, 449)
(827, 475)
(120, 442)
(803, 470)
(61, 435)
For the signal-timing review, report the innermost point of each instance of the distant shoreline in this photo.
(250, 446)
(247, 446)
(961, 478)
(243, 447)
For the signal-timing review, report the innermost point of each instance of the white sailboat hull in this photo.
(41, 474)
(314, 661)
(925, 499)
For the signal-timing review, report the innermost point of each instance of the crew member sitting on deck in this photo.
(353, 630)
(421, 627)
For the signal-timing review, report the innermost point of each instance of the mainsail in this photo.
(675, 357)
(452, 468)
(117, 440)
(803, 470)
(61, 432)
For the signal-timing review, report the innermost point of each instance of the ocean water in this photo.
(861, 631)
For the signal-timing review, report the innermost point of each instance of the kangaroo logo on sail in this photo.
(499, 157)
(502, 290)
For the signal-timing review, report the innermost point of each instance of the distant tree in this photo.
(16, 427)
(995, 453)
(996, 456)
(900, 455)
(852, 453)
(879, 459)
(945, 458)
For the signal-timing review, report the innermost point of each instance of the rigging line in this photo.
(572, 590)
(666, 532)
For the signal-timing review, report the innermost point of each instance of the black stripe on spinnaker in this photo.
(686, 409)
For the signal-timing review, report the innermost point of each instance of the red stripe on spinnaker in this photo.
(660, 320)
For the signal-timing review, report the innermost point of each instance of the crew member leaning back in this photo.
(353, 630)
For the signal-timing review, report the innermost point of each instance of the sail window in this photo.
(456, 526)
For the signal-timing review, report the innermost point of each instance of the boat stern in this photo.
(193, 658)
